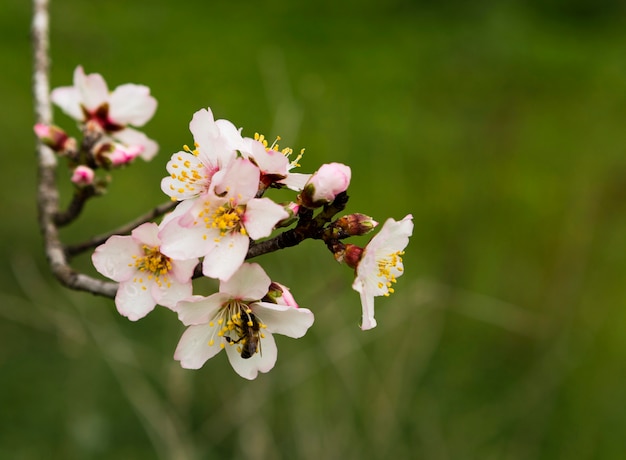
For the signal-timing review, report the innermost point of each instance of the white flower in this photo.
(89, 100)
(218, 225)
(237, 320)
(192, 171)
(146, 276)
(381, 264)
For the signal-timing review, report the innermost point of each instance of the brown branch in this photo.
(47, 193)
(75, 249)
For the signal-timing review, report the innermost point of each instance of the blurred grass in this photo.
(499, 127)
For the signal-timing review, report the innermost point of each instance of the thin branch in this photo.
(47, 193)
(73, 250)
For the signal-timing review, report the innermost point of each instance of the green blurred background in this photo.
(498, 125)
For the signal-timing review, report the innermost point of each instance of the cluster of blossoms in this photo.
(221, 214)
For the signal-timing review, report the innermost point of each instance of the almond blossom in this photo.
(237, 320)
(380, 264)
(325, 184)
(219, 224)
(90, 102)
(146, 276)
(191, 171)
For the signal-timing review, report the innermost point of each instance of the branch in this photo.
(73, 250)
(47, 193)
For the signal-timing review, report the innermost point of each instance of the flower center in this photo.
(193, 177)
(287, 151)
(388, 269)
(226, 217)
(154, 264)
(237, 324)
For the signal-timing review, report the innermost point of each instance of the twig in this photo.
(73, 250)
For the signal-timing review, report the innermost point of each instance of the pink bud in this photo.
(123, 154)
(325, 184)
(52, 136)
(83, 175)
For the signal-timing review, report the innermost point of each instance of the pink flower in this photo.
(89, 100)
(325, 184)
(146, 276)
(380, 265)
(122, 154)
(54, 137)
(236, 319)
(192, 171)
(83, 175)
(218, 225)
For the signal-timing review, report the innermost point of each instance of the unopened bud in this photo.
(325, 184)
(280, 295)
(292, 210)
(54, 137)
(83, 176)
(356, 224)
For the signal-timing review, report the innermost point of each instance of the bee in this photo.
(249, 335)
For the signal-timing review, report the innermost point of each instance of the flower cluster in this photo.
(221, 219)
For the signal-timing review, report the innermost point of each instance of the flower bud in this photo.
(83, 176)
(292, 210)
(280, 295)
(356, 224)
(53, 136)
(349, 254)
(325, 184)
(114, 154)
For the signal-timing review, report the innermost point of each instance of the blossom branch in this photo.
(73, 250)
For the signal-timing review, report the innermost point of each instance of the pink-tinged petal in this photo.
(269, 162)
(182, 270)
(281, 319)
(181, 209)
(134, 299)
(198, 309)
(241, 180)
(114, 258)
(148, 234)
(193, 349)
(188, 178)
(131, 104)
(93, 89)
(226, 256)
(130, 136)
(262, 361)
(250, 282)
(203, 127)
(295, 181)
(261, 215)
(230, 135)
(170, 292)
(182, 243)
(68, 99)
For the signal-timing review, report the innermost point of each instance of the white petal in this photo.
(170, 292)
(182, 270)
(134, 300)
(295, 181)
(367, 303)
(281, 319)
(250, 282)
(240, 180)
(92, 88)
(193, 349)
(261, 215)
(147, 234)
(198, 309)
(262, 361)
(68, 99)
(184, 243)
(130, 136)
(131, 104)
(226, 256)
(114, 258)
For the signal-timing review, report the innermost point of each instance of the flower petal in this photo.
(134, 300)
(170, 292)
(250, 282)
(131, 137)
(226, 256)
(281, 319)
(198, 309)
(131, 104)
(240, 180)
(262, 361)
(93, 89)
(184, 243)
(193, 349)
(261, 215)
(68, 99)
(147, 234)
(114, 258)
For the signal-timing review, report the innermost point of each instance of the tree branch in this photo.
(47, 193)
